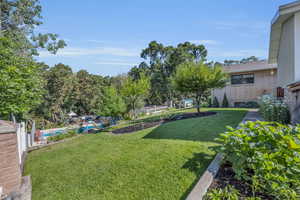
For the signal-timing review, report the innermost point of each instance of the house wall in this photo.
(289, 63)
(264, 83)
(297, 46)
(286, 54)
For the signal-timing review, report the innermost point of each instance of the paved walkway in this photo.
(253, 115)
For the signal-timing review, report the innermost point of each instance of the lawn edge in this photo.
(200, 189)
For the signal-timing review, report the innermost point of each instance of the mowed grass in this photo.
(157, 163)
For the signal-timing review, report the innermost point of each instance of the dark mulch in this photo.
(145, 125)
(225, 176)
(136, 127)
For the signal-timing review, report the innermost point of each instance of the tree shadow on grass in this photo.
(197, 164)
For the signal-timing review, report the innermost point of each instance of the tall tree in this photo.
(19, 19)
(58, 99)
(163, 61)
(20, 82)
(197, 79)
(134, 93)
(112, 103)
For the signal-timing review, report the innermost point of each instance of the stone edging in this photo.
(206, 179)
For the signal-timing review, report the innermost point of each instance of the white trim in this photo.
(297, 46)
(284, 12)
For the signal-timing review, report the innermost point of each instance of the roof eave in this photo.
(284, 12)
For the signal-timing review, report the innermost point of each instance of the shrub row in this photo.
(273, 109)
(61, 136)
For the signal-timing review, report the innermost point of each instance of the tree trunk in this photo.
(198, 101)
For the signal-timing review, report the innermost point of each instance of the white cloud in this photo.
(115, 63)
(96, 41)
(207, 42)
(254, 25)
(78, 51)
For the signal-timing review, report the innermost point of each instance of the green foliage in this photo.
(66, 91)
(163, 61)
(249, 104)
(228, 193)
(274, 110)
(112, 103)
(61, 136)
(267, 154)
(242, 61)
(20, 83)
(197, 79)
(19, 19)
(225, 103)
(59, 87)
(134, 93)
(215, 103)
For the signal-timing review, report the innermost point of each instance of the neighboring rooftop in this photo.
(284, 12)
(250, 67)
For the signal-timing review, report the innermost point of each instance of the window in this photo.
(242, 79)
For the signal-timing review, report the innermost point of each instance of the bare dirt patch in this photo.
(226, 176)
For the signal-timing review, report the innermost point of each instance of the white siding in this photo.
(286, 54)
(297, 46)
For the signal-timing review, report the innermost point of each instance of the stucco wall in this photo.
(264, 83)
(286, 54)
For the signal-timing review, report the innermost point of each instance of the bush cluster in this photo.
(273, 109)
(248, 104)
(216, 103)
(61, 136)
(266, 154)
(225, 103)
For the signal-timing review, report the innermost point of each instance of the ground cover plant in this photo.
(63, 136)
(266, 156)
(157, 163)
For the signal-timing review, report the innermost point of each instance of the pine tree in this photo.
(225, 103)
(216, 103)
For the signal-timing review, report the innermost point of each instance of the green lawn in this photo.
(157, 163)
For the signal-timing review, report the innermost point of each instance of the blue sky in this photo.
(106, 36)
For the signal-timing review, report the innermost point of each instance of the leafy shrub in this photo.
(228, 193)
(268, 155)
(252, 104)
(249, 104)
(274, 110)
(225, 103)
(61, 136)
(216, 103)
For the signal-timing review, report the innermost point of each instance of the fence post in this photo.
(32, 134)
(19, 142)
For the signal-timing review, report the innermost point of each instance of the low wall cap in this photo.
(7, 127)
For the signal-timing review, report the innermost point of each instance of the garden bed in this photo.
(226, 176)
(145, 125)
